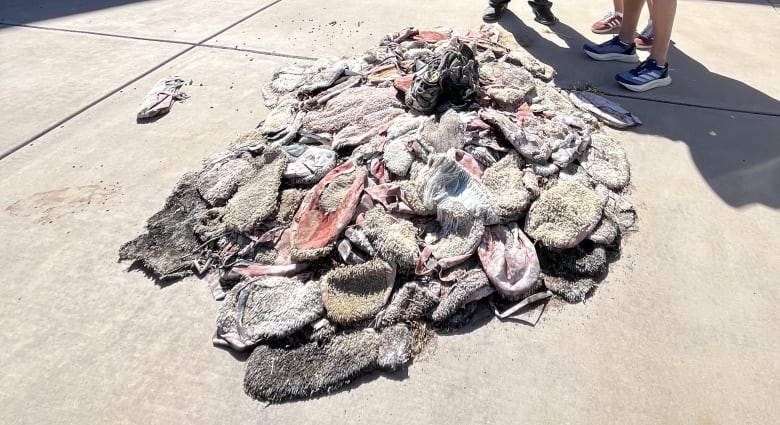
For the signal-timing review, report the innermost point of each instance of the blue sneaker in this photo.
(612, 50)
(648, 75)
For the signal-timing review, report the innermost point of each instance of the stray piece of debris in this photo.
(160, 98)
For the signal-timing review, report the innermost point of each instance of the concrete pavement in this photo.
(682, 331)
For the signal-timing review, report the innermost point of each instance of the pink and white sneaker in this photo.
(644, 40)
(611, 22)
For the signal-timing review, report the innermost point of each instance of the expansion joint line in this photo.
(190, 47)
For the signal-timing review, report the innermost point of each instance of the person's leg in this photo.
(494, 10)
(621, 47)
(631, 11)
(611, 21)
(654, 72)
(662, 14)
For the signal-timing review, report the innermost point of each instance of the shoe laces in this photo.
(614, 40)
(646, 65)
(608, 17)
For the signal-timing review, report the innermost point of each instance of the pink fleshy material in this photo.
(513, 271)
(313, 228)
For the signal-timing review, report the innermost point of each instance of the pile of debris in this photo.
(384, 196)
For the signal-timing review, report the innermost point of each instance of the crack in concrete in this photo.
(775, 4)
(160, 40)
(191, 46)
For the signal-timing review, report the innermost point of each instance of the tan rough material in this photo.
(355, 293)
(334, 193)
(564, 215)
(289, 201)
(504, 186)
(394, 239)
(255, 199)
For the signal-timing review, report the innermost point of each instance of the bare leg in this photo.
(631, 11)
(662, 14)
(618, 4)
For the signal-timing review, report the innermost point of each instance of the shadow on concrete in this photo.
(730, 127)
(28, 12)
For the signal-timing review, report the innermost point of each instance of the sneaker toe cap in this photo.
(625, 77)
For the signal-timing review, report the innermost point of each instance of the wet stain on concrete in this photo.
(48, 206)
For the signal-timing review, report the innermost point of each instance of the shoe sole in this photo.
(548, 23)
(607, 31)
(622, 57)
(644, 47)
(661, 82)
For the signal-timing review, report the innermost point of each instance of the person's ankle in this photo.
(659, 62)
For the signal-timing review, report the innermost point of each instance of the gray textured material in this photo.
(531, 64)
(219, 179)
(469, 283)
(508, 98)
(398, 157)
(266, 308)
(361, 129)
(573, 291)
(411, 302)
(166, 248)
(394, 239)
(501, 73)
(421, 209)
(438, 135)
(606, 162)
(275, 374)
(605, 232)
(334, 193)
(564, 215)
(290, 77)
(585, 260)
(255, 199)
(618, 209)
(504, 186)
(280, 118)
(526, 143)
(289, 201)
(310, 166)
(342, 109)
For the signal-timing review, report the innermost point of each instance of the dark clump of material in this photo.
(411, 302)
(469, 283)
(573, 291)
(277, 374)
(167, 247)
(572, 273)
(586, 259)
